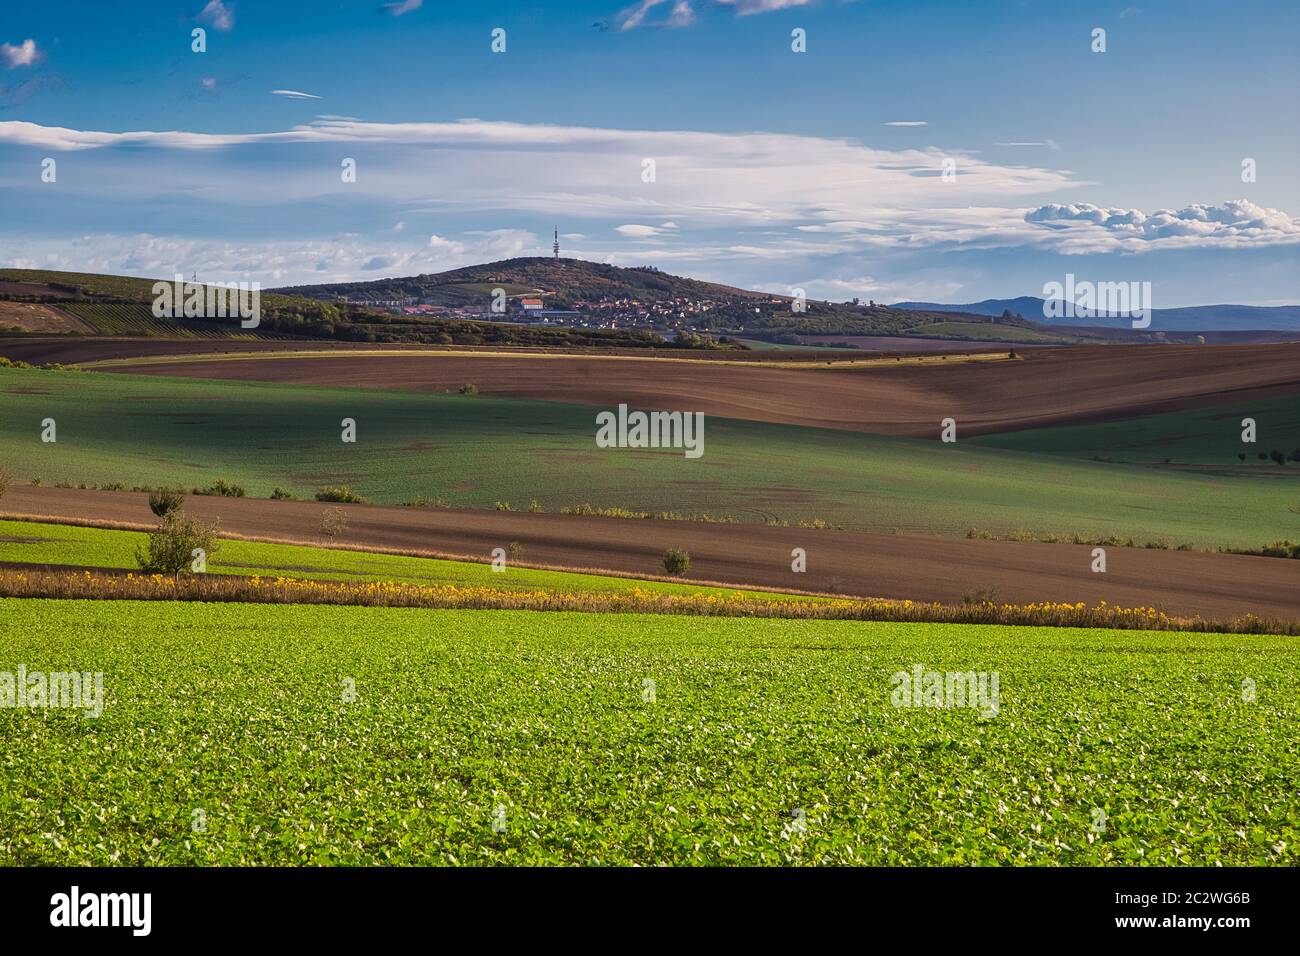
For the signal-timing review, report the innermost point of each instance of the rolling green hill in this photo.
(119, 305)
(568, 279)
(603, 293)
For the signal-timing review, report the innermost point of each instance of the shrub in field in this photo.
(515, 549)
(5, 478)
(222, 489)
(333, 523)
(676, 561)
(166, 500)
(982, 596)
(503, 506)
(1281, 549)
(469, 389)
(279, 494)
(343, 493)
(424, 501)
(616, 511)
(1278, 456)
(170, 548)
(535, 507)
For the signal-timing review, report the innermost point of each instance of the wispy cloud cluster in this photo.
(272, 263)
(746, 7)
(405, 6)
(682, 13)
(672, 13)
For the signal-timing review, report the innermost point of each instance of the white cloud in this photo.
(296, 95)
(1084, 228)
(26, 53)
(907, 123)
(636, 231)
(405, 6)
(217, 15)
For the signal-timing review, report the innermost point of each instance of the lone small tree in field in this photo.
(165, 500)
(5, 478)
(333, 523)
(171, 546)
(677, 562)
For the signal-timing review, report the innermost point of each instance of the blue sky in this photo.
(773, 169)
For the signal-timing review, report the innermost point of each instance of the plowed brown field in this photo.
(1043, 387)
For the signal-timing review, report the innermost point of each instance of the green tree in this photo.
(172, 545)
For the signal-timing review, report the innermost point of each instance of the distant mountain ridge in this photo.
(1198, 318)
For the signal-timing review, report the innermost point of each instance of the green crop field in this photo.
(1202, 438)
(138, 319)
(231, 734)
(473, 451)
(30, 542)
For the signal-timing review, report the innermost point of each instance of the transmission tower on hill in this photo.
(556, 246)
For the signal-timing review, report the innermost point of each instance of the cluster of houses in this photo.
(531, 309)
